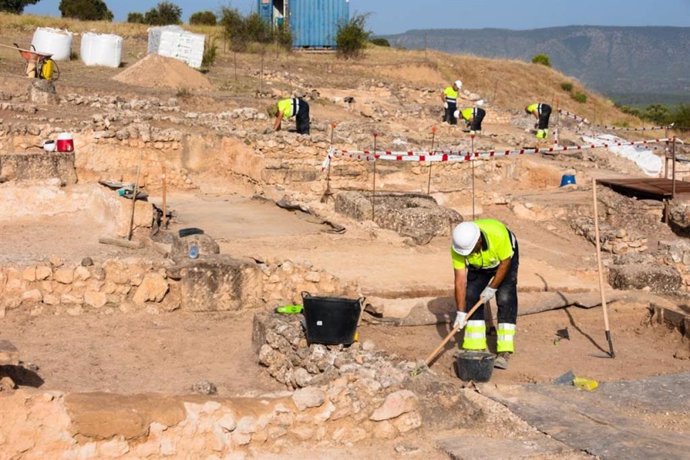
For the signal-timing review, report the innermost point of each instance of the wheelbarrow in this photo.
(38, 65)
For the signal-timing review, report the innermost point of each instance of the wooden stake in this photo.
(433, 137)
(373, 184)
(601, 270)
(134, 198)
(472, 161)
(165, 201)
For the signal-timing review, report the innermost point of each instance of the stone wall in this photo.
(38, 166)
(215, 283)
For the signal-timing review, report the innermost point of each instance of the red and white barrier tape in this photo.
(450, 157)
(609, 128)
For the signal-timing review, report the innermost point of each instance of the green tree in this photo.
(85, 10)
(233, 26)
(257, 29)
(163, 14)
(283, 37)
(203, 18)
(657, 113)
(15, 6)
(135, 18)
(352, 37)
(542, 59)
(681, 116)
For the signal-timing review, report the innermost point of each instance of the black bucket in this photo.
(475, 365)
(331, 320)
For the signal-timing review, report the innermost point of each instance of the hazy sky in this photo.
(395, 16)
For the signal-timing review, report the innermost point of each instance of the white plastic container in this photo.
(57, 42)
(101, 49)
(175, 42)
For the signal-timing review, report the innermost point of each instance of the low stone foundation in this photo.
(38, 166)
(416, 216)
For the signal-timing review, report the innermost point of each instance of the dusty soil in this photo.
(156, 71)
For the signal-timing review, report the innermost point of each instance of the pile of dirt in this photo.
(155, 71)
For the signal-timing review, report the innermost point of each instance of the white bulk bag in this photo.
(101, 49)
(175, 42)
(57, 42)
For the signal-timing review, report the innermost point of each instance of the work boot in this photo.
(501, 361)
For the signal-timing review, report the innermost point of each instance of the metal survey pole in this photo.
(431, 152)
(472, 162)
(666, 153)
(558, 121)
(373, 183)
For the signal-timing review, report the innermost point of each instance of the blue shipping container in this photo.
(313, 23)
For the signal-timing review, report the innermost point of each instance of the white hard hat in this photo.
(458, 83)
(480, 103)
(456, 114)
(465, 237)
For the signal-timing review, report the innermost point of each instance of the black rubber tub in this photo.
(475, 366)
(331, 320)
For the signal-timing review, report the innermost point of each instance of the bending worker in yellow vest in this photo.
(473, 117)
(294, 107)
(450, 102)
(482, 250)
(542, 112)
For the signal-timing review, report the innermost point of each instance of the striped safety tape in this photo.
(459, 156)
(610, 128)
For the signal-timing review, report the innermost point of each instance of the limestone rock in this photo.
(659, 278)
(95, 299)
(43, 272)
(395, 404)
(305, 398)
(64, 275)
(152, 288)
(34, 295)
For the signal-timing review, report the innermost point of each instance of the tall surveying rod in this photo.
(601, 270)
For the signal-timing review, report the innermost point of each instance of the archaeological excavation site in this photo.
(178, 279)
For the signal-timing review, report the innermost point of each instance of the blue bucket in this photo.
(567, 179)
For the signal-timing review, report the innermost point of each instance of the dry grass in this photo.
(507, 84)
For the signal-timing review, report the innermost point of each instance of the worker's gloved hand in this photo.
(487, 294)
(445, 105)
(460, 320)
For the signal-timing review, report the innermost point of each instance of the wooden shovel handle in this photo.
(451, 334)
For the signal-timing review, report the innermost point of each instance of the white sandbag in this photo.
(57, 42)
(101, 49)
(175, 42)
(645, 159)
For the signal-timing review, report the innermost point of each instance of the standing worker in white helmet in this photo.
(485, 262)
(450, 102)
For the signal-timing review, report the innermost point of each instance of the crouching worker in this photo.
(485, 263)
(473, 117)
(542, 112)
(294, 107)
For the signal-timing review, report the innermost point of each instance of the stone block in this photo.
(395, 404)
(218, 283)
(416, 216)
(659, 278)
(64, 275)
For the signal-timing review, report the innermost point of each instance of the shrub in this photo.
(15, 6)
(380, 42)
(352, 38)
(542, 59)
(163, 14)
(85, 10)
(241, 31)
(135, 18)
(206, 18)
(210, 51)
(579, 97)
(681, 116)
(567, 86)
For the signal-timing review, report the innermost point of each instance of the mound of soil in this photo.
(155, 71)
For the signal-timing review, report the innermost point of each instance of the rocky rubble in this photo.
(282, 347)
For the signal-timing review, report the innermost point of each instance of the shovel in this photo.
(430, 358)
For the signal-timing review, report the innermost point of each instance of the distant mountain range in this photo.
(631, 65)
